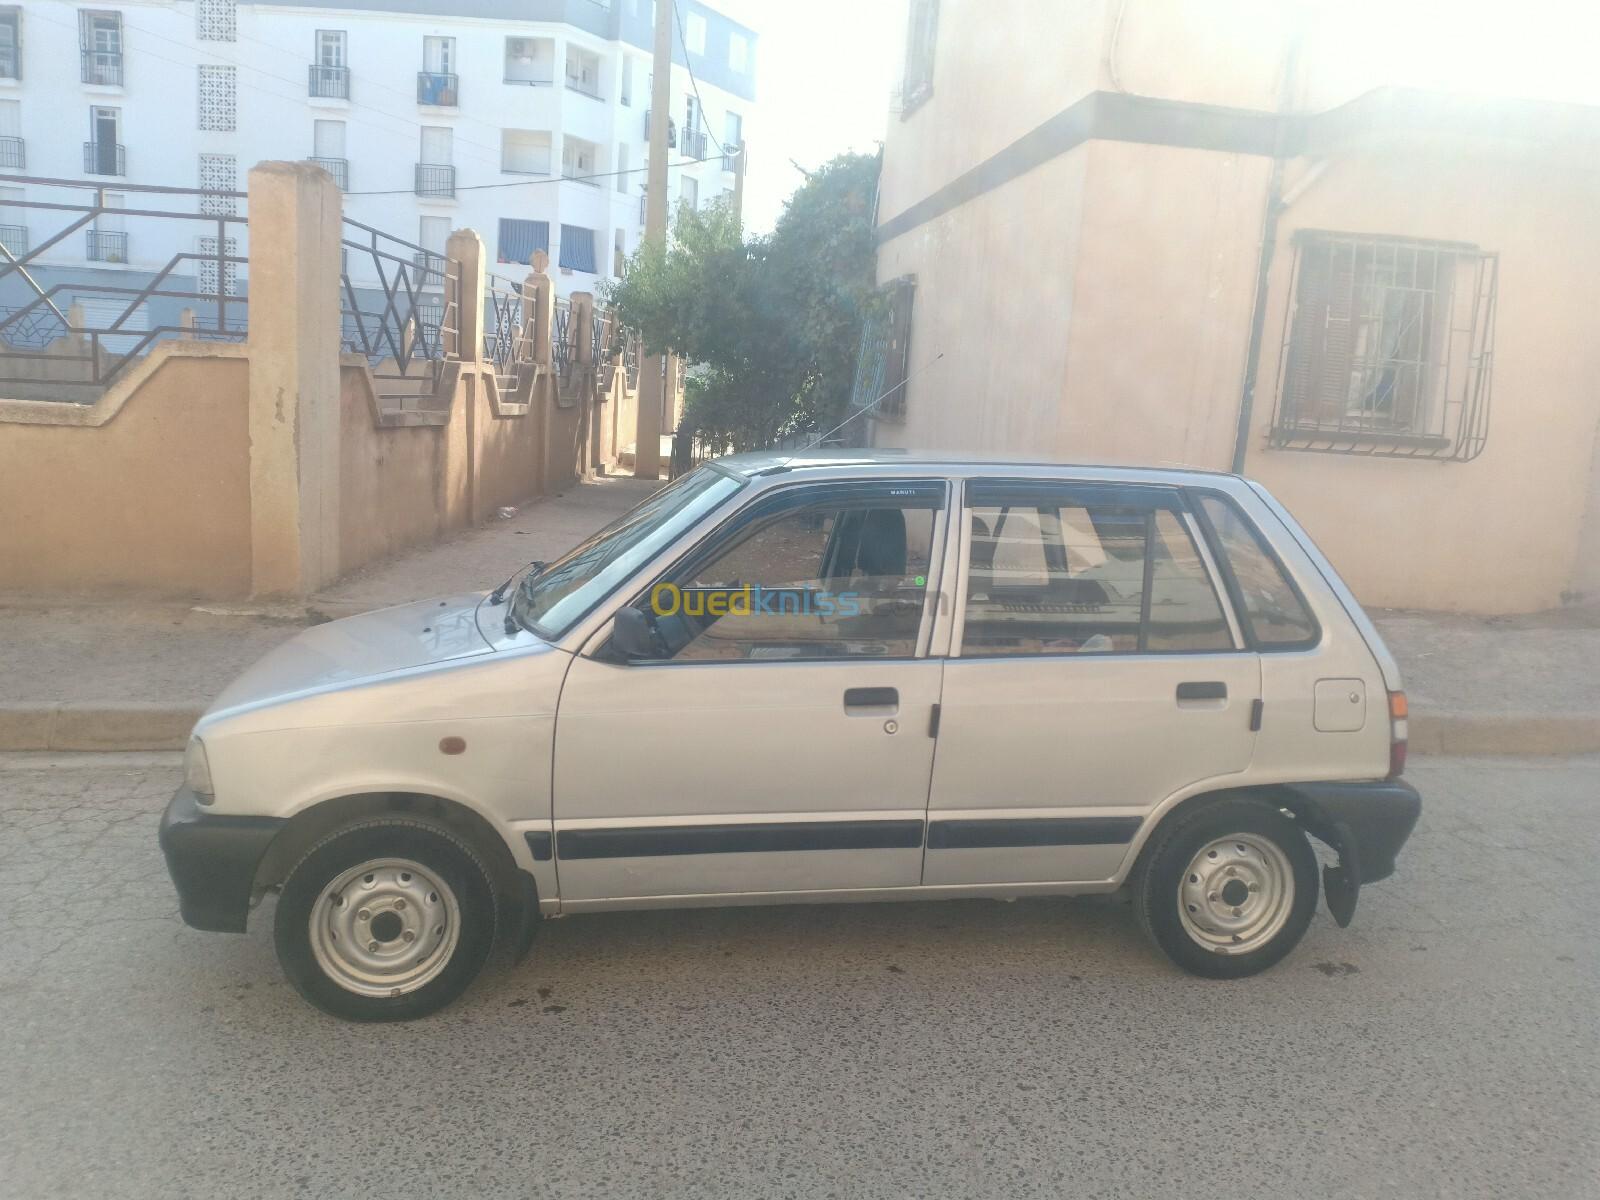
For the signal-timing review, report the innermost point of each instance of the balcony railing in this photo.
(329, 83)
(730, 160)
(15, 239)
(103, 67)
(672, 130)
(339, 168)
(694, 143)
(105, 158)
(434, 179)
(429, 262)
(13, 153)
(436, 88)
(579, 174)
(107, 246)
(584, 87)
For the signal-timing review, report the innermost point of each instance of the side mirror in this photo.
(633, 635)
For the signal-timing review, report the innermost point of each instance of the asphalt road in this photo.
(1446, 1045)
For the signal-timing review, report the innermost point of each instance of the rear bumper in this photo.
(212, 859)
(1366, 823)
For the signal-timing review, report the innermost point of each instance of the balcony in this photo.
(438, 89)
(13, 154)
(108, 247)
(329, 83)
(339, 168)
(428, 262)
(694, 143)
(672, 130)
(730, 161)
(105, 158)
(103, 67)
(434, 179)
(15, 239)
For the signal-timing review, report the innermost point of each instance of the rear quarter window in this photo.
(1274, 613)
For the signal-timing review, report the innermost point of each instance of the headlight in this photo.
(197, 771)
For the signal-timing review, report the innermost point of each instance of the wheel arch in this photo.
(1278, 795)
(514, 887)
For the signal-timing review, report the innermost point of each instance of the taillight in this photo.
(1398, 733)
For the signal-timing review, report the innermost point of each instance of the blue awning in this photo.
(519, 239)
(577, 248)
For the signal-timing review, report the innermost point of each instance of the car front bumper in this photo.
(212, 859)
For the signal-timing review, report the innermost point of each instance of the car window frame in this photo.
(773, 502)
(980, 491)
(1235, 593)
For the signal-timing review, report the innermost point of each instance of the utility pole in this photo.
(647, 433)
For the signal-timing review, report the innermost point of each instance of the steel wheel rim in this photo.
(1237, 893)
(385, 928)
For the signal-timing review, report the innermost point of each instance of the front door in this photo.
(1094, 672)
(781, 740)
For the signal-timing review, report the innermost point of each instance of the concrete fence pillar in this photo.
(539, 307)
(465, 274)
(295, 222)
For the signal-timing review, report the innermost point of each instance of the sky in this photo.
(824, 69)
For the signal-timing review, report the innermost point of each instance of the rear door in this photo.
(1094, 671)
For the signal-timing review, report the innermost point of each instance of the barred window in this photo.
(216, 20)
(1387, 347)
(219, 98)
(882, 362)
(218, 173)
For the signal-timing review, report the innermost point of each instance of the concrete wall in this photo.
(213, 471)
(147, 492)
(1095, 304)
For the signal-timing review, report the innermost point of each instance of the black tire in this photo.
(440, 851)
(1160, 876)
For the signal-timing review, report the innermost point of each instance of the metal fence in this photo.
(77, 334)
(507, 333)
(561, 349)
(399, 315)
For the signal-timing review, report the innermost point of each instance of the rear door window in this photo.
(1055, 569)
(1274, 614)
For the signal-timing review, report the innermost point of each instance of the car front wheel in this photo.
(387, 920)
(1228, 888)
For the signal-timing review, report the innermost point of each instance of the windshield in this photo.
(549, 602)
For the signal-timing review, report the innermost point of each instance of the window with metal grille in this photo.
(519, 239)
(1388, 347)
(219, 98)
(10, 43)
(921, 35)
(883, 361)
(210, 273)
(216, 20)
(218, 173)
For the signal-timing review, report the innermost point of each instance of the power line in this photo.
(484, 187)
(677, 19)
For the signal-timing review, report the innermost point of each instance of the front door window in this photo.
(842, 576)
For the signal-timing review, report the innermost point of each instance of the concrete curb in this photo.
(166, 727)
(97, 727)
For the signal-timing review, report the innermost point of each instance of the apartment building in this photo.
(1255, 237)
(525, 120)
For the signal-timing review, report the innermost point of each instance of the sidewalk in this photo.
(127, 676)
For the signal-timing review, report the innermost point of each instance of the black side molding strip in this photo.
(539, 844)
(652, 841)
(1025, 831)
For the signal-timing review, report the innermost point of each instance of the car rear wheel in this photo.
(1227, 889)
(387, 920)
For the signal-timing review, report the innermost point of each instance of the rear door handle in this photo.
(1210, 690)
(875, 698)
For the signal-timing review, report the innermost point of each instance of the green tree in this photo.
(773, 324)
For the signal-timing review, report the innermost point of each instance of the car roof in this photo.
(880, 461)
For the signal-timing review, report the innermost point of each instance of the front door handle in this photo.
(875, 700)
(1209, 690)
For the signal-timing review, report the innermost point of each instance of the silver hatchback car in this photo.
(795, 678)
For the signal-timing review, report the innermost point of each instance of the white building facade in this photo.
(525, 120)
